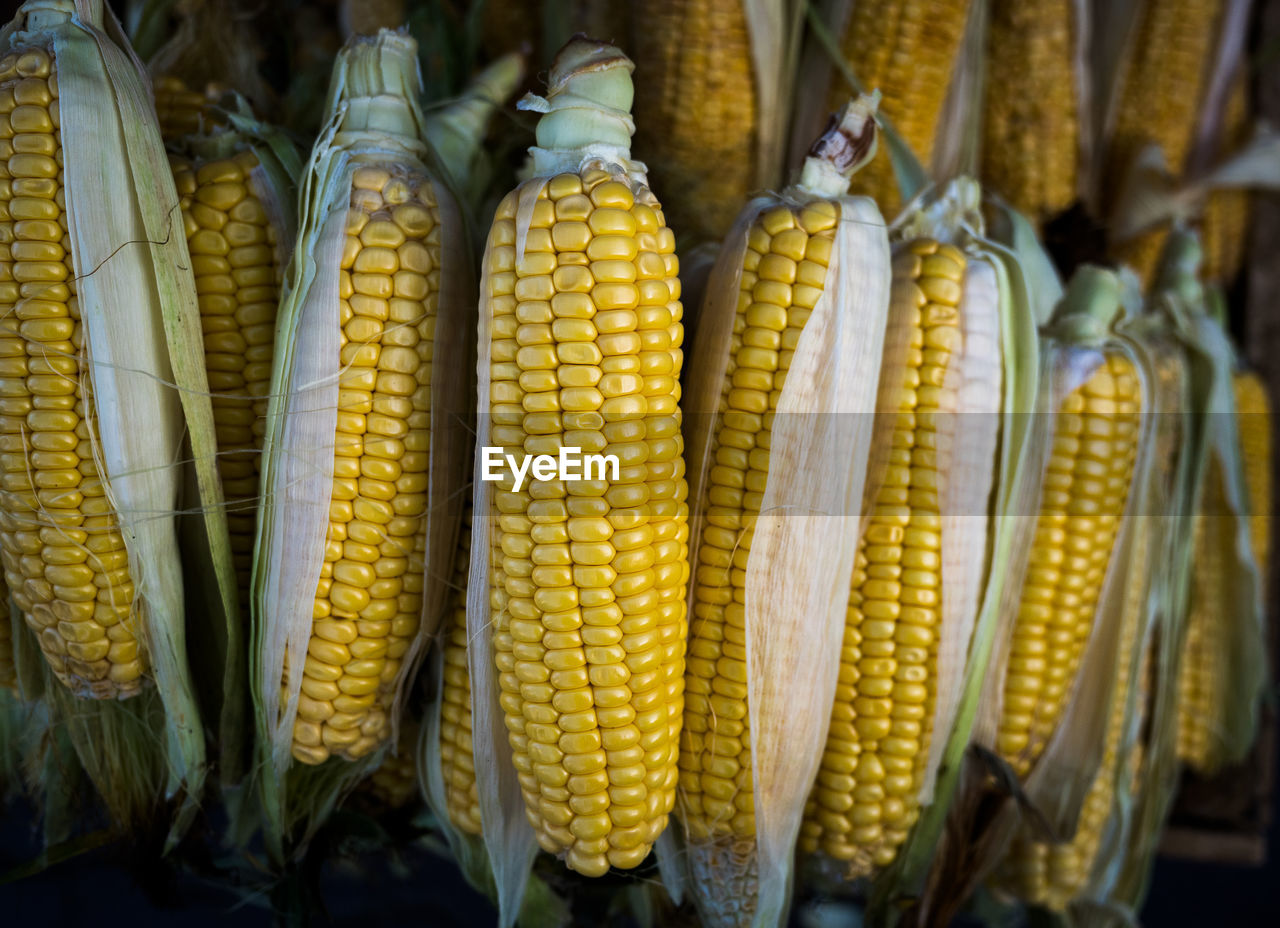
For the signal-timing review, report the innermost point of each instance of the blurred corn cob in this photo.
(1030, 114)
(1204, 688)
(1253, 415)
(1088, 474)
(589, 618)
(1052, 875)
(907, 50)
(392, 786)
(696, 120)
(781, 273)
(1161, 90)
(182, 110)
(1225, 225)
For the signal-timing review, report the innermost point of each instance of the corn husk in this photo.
(138, 302)
(297, 467)
(983, 523)
(804, 542)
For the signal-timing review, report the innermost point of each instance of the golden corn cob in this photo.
(1253, 419)
(697, 117)
(1161, 91)
(866, 796)
(783, 274)
(238, 270)
(64, 558)
(368, 600)
(588, 577)
(907, 50)
(1226, 213)
(1053, 874)
(1086, 485)
(456, 760)
(1030, 117)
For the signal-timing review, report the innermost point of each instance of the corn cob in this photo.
(587, 579)
(1202, 685)
(907, 50)
(872, 770)
(1030, 135)
(697, 118)
(1253, 418)
(1086, 485)
(1161, 90)
(1201, 689)
(183, 111)
(371, 313)
(231, 217)
(781, 276)
(64, 557)
(457, 762)
(368, 600)
(1053, 874)
(1225, 224)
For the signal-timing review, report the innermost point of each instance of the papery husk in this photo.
(138, 302)
(774, 28)
(297, 459)
(996, 439)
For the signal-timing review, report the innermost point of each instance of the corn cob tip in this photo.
(42, 14)
(584, 55)
(847, 143)
(587, 109)
(1091, 304)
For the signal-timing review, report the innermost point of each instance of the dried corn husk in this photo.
(373, 115)
(138, 303)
